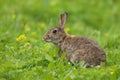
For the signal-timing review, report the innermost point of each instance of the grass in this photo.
(25, 56)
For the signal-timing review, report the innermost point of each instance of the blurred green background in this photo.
(25, 56)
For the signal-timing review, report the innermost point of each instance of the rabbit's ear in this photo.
(63, 18)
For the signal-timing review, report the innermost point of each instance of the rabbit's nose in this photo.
(45, 37)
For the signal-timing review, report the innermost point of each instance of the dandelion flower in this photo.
(27, 28)
(42, 24)
(21, 37)
(53, 3)
(27, 44)
(106, 34)
(14, 16)
(33, 33)
(67, 29)
(111, 72)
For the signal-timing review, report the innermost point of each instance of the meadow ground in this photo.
(25, 56)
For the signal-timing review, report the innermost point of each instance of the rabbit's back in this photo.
(82, 48)
(76, 42)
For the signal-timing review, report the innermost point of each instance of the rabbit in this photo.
(77, 48)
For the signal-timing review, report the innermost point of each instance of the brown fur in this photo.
(77, 48)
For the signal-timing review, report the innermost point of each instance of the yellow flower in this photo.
(14, 16)
(27, 29)
(33, 33)
(111, 72)
(106, 34)
(27, 44)
(53, 3)
(67, 29)
(102, 63)
(42, 24)
(21, 37)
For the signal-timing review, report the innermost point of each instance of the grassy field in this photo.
(25, 56)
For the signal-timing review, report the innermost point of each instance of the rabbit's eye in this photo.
(54, 31)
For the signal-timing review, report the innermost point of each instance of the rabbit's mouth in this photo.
(47, 40)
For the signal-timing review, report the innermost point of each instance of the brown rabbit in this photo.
(76, 48)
